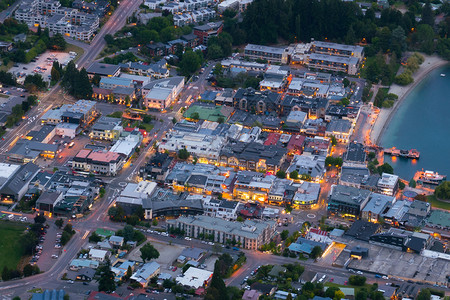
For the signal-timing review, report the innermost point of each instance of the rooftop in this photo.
(266, 49)
(103, 69)
(194, 277)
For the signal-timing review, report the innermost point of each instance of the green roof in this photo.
(104, 232)
(439, 218)
(209, 113)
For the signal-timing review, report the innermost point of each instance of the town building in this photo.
(378, 205)
(106, 128)
(256, 101)
(145, 273)
(340, 129)
(355, 155)
(349, 65)
(252, 156)
(194, 278)
(50, 14)
(160, 94)
(98, 255)
(306, 195)
(334, 49)
(204, 32)
(388, 184)
(271, 54)
(112, 82)
(103, 70)
(358, 177)
(312, 165)
(25, 151)
(251, 234)
(223, 209)
(157, 167)
(363, 230)
(100, 162)
(347, 201)
(314, 107)
(15, 179)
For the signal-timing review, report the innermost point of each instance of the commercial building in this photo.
(306, 195)
(388, 184)
(378, 205)
(246, 65)
(106, 128)
(355, 155)
(104, 163)
(340, 129)
(251, 234)
(25, 151)
(347, 201)
(337, 49)
(103, 70)
(160, 94)
(259, 102)
(271, 54)
(194, 278)
(252, 156)
(205, 147)
(50, 14)
(112, 82)
(223, 209)
(82, 112)
(358, 177)
(349, 65)
(15, 180)
(312, 165)
(157, 167)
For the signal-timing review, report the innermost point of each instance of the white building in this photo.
(145, 273)
(388, 184)
(223, 209)
(201, 145)
(98, 255)
(160, 94)
(228, 4)
(312, 165)
(66, 130)
(194, 278)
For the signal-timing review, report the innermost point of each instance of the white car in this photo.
(385, 277)
(211, 243)
(187, 238)
(70, 281)
(359, 273)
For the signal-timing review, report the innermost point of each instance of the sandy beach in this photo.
(382, 122)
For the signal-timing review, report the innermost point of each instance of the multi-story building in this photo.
(340, 129)
(103, 70)
(306, 195)
(252, 156)
(377, 205)
(58, 19)
(337, 49)
(312, 165)
(223, 209)
(314, 107)
(271, 54)
(251, 186)
(347, 65)
(195, 16)
(249, 234)
(259, 102)
(204, 32)
(106, 128)
(347, 201)
(388, 184)
(160, 94)
(98, 162)
(206, 147)
(112, 82)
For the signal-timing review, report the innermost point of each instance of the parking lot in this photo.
(396, 263)
(42, 64)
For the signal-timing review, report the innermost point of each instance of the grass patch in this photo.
(357, 288)
(4, 96)
(147, 127)
(437, 203)
(37, 290)
(10, 248)
(6, 68)
(70, 47)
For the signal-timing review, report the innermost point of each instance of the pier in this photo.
(413, 153)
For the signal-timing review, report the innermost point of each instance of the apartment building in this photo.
(349, 65)
(250, 234)
(50, 14)
(159, 94)
(271, 54)
(334, 49)
(204, 32)
(98, 162)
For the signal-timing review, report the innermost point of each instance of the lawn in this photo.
(438, 204)
(357, 288)
(78, 50)
(10, 249)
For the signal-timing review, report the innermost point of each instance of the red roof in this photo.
(296, 142)
(272, 139)
(318, 231)
(130, 129)
(83, 153)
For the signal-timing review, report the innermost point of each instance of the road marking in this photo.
(85, 235)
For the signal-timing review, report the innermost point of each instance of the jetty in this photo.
(413, 153)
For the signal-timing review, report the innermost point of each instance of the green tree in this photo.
(195, 116)
(385, 168)
(412, 183)
(281, 174)
(357, 280)
(293, 175)
(59, 222)
(56, 76)
(96, 80)
(443, 191)
(94, 238)
(39, 219)
(148, 252)
(183, 154)
(333, 140)
(240, 219)
(346, 82)
(331, 291)
(362, 294)
(401, 185)
(316, 252)
(428, 15)
(284, 234)
(106, 282)
(424, 294)
(190, 62)
(217, 289)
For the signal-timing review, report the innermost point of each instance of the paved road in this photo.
(8, 12)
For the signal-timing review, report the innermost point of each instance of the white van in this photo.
(11, 216)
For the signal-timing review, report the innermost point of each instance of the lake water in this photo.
(422, 122)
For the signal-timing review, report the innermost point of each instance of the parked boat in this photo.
(413, 153)
(442, 75)
(431, 177)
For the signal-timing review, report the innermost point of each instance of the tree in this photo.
(6, 274)
(94, 238)
(59, 222)
(385, 168)
(316, 252)
(357, 280)
(57, 42)
(346, 82)
(240, 219)
(412, 183)
(293, 174)
(27, 270)
(65, 238)
(96, 80)
(128, 233)
(190, 62)
(371, 155)
(443, 191)
(148, 252)
(217, 289)
(106, 282)
(281, 174)
(39, 219)
(284, 234)
(401, 185)
(129, 273)
(338, 295)
(424, 294)
(428, 15)
(183, 154)
(195, 116)
(362, 294)
(331, 291)
(56, 76)
(333, 140)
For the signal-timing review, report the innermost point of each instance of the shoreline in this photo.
(384, 118)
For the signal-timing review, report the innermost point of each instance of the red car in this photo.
(174, 269)
(173, 236)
